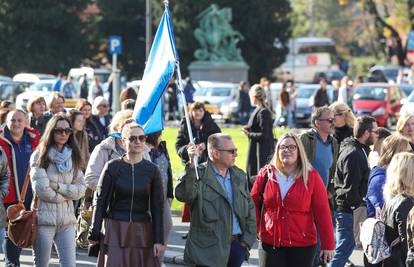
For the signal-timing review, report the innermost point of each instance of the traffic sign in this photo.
(115, 44)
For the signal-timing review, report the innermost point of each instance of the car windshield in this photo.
(306, 92)
(45, 87)
(407, 88)
(213, 91)
(411, 97)
(370, 93)
(391, 73)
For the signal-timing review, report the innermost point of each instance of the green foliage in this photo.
(42, 36)
(259, 22)
(127, 19)
(239, 138)
(361, 65)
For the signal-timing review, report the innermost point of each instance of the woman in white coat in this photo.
(57, 180)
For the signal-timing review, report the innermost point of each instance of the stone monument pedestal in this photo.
(233, 72)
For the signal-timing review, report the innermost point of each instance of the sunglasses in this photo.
(62, 131)
(232, 151)
(289, 147)
(330, 120)
(134, 138)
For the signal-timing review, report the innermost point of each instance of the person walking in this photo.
(57, 180)
(18, 141)
(344, 121)
(95, 136)
(259, 130)
(223, 225)
(405, 127)
(350, 185)
(287, 227)
(321, 96)
(55, 104)
(160, 157)
(244, 107)
(68, 89)
(399, 200)
(95, 89)
(130, 202)
(37, 107)
(101, 117)
(4, 191)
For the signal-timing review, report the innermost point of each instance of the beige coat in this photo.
(55, 207)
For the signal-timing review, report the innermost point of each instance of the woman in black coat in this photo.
(202, 126)
(260, 134)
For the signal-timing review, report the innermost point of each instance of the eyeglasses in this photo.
(291, 148)
(330, 120)
(134, 138)
(62, 131)
(232, 151)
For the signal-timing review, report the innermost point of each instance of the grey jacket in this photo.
(210, 234)
(101, 154)
(55, 207)
(4, 186)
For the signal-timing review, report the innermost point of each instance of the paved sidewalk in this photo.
(173, 255)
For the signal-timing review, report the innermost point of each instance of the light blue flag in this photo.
(158, 72)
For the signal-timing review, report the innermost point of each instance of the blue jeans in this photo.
(345, 242)
(11, 253)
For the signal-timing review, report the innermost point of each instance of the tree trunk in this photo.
(372, 9)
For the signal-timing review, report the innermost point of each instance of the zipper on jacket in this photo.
(133, 190)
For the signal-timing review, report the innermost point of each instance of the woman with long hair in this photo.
(57, 180)
(130, 201)
(95, 136)
(405, 126)
(78, 121)
(344, 121)
(259, 130)
(291, 203)
(399, 199)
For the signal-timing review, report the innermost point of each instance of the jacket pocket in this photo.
(210, 206)
(202, 238)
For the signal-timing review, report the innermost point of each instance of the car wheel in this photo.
(389, 122)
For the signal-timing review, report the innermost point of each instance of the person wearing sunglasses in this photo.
(130, 203)
(291, 203)
(223, 224)
(322, 151)
(344, 121)
(18, 141)
(57, 180)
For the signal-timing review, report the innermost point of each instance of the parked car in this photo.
(328, 75)
(407, 88)
(381, 100)
(305, 94)
(408, 106)
(42, 88)
(384, 74)
(32, 77)
(9, 90)
(5, 78)
(220, 99)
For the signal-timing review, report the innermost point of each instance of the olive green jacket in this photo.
(210, 234)
(308, 139)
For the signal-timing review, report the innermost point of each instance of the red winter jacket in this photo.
(291, 222)
(14, 192)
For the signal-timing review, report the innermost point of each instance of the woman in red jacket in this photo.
(294, 198)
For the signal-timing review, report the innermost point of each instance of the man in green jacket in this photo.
(223, 218)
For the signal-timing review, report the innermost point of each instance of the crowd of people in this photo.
(99, 181)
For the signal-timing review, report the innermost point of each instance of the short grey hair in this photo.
(318, 112)
(214, 142)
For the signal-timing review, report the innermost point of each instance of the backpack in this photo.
(374, 242)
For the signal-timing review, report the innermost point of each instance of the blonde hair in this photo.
(392, 145)
(400, 176)
(100, 100)
(52, 98)
(118, 120)
(303, 167)
(340, 107)
(34, 100)
(402, 121)
(259, 93)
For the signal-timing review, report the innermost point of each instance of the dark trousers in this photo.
(236, 257)
(286, 256)
(11, 253)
